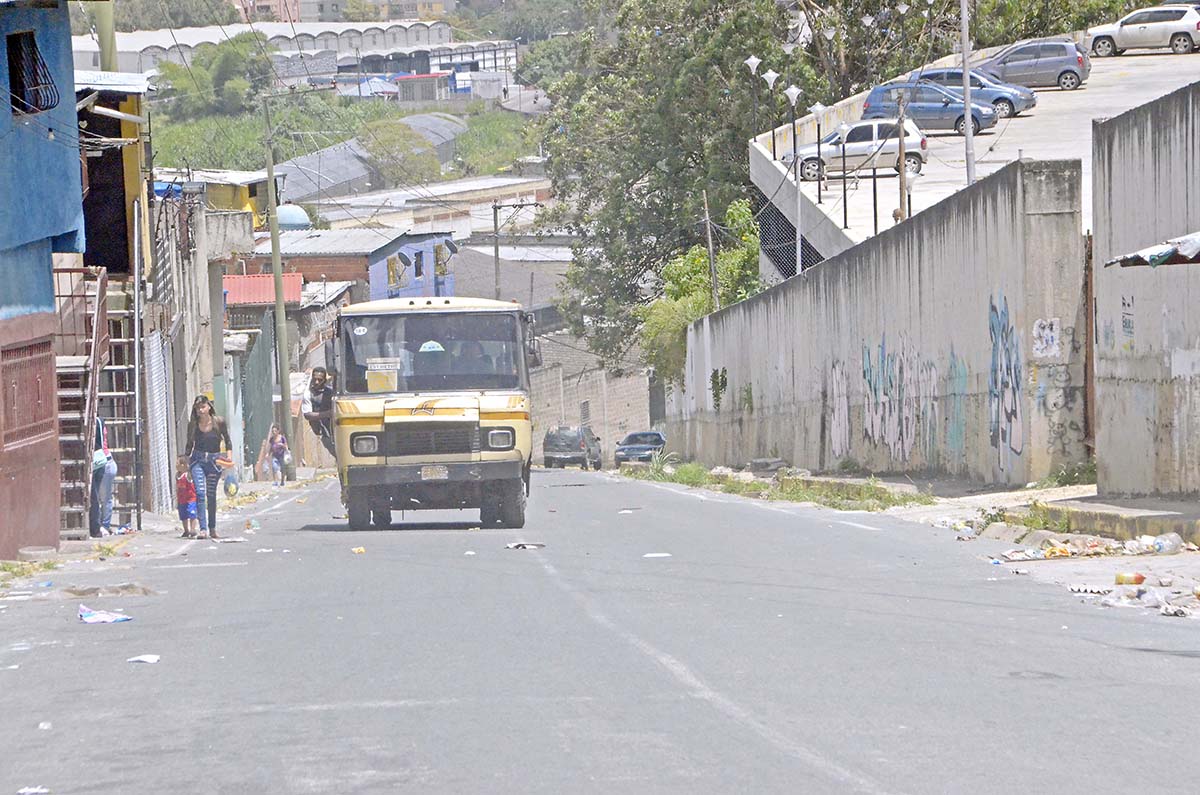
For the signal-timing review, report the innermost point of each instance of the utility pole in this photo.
(496, 208)
(712, 256)
(284, 411)
(968, 118)
(902, 133)
(106, 35)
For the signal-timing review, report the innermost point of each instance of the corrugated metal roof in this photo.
(1176, 251)
(323, 293)
(325, 242)
(121, 82)
(210, 176)
(437, 128)
(336, 166)
(259, 289)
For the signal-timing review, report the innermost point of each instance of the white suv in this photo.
(867, 144)
(1173, 25)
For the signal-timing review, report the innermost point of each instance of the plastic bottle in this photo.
(1168, 544)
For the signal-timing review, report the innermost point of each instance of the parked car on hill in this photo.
(1006, 99)
(1174, 25)
(640, 446)
(571, 444)
(1040, 63)
(871, 143)
(929, 105)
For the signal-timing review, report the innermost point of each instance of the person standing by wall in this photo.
(206, 432)
(104, 474)
(317, 407)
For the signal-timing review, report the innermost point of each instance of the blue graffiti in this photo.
(900, 405)
(1004, 386)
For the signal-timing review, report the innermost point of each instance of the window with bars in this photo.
(31, 87)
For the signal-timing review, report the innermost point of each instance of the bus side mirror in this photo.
(329, 352)
(533, 354)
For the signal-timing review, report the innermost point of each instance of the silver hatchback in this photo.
(1040, 63)
(871, 143)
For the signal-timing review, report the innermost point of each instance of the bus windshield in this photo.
(434, 352)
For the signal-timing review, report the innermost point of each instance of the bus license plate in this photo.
(435, 473)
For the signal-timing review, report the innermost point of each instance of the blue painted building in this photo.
(41, 213)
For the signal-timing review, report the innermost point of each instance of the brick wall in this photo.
(617, 404)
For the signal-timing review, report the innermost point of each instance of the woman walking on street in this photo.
(104, 473)
(278, 445)
(206, 431)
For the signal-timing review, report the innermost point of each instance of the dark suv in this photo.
(571, 444)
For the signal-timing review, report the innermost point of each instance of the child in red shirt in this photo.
(185, 498)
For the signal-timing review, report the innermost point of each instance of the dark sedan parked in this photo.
(639, 446)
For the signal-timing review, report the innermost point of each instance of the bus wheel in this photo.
(512, 505)
(358, 513)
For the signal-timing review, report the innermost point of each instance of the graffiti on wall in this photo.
(1004, 386)
(899, 405)
(839, 411)
(956, 409)
(1046, 337)
(1058, 398)
(1127, 322)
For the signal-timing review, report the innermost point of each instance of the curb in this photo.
(1123, 526)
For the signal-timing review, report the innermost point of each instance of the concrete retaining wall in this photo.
(1146, 189)
(946, 343)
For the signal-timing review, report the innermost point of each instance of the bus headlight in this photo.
(365, 444)
(501, 439)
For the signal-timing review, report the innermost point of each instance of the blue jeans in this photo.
(101, 504)
(206, 474)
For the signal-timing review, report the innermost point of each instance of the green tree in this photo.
(399, 153)
(687, 291)
(157, 14)
(360, 11)
(221, 78)
(662, 110)
(549, 61)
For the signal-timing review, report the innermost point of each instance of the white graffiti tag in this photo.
(1046, 337)
(839, 411)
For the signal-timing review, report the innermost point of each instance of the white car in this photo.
(1174, 25)
(871, 143)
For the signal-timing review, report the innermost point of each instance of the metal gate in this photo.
(258, 381)
(160, 434)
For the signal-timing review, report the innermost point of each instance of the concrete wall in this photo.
(1146, 189)
(946, 344)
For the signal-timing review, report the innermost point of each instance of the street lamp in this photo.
(769, 77)
(818, 110)
(752, 63)
(912, 178)
(868, 23)
(843, 131)
(793, 95)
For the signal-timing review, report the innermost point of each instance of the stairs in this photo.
(116, 401)
(81, 352)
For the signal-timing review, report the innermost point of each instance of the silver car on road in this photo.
(871, 143)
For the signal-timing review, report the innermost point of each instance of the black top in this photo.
(322, 399)
(208, 441)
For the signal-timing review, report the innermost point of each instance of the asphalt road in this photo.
(778, 649)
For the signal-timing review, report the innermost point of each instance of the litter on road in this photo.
(469, 552)
(235, 540)
(359, 550)
(523, 545)
(149, 659)
(657, 555)
(264, 549)
(90, 616)
(1130, 578)
(45, 726)
(33, 791)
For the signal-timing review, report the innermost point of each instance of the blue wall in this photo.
(40, 190)
(378, 276)
(26, 285)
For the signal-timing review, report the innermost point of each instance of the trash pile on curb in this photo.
(1089, 546)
